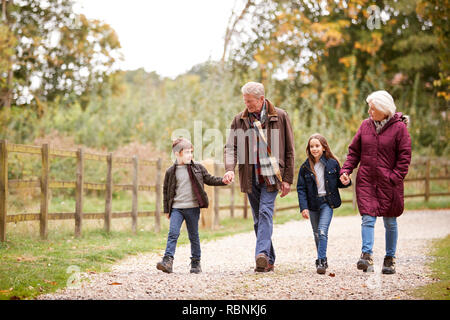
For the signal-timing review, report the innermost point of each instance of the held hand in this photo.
(167, 216)
(228, 177)
(285, 188)
(305, 214)
(345, 179)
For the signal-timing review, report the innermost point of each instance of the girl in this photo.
(317, 187)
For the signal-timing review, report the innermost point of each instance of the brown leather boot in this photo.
(165, 265)
(261, 262)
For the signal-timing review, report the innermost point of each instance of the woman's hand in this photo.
(344, 179)
(305, 214)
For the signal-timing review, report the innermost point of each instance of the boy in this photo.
(184, 195)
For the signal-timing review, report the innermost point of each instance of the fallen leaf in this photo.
(332, 274)
(115, 284)
(53, 283)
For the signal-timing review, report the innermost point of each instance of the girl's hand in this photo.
(305, 214)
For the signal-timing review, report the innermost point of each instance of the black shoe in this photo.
(388, 265)
(321, 266)
(195, 265)
(365, 263)
(165, 265)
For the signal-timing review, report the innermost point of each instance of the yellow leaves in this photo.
(371, 46)
(329, 33)
(347, 61)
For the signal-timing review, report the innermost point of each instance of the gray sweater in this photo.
(184, 195)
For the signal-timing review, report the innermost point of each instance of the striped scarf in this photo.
(266, 167)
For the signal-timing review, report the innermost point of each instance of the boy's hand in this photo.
(345, 179)
(228, 177)
(305, 214)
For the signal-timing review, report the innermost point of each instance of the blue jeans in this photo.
(191, 215)
(262, 203)
(320, 222)
(367, 233)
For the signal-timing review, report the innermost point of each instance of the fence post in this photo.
(79, 192)
(207, 214)
(158, 196)
(134, 206)
(232, 201)
(245, 205)
(108, 197)
(44, 192)
(3, 188)
(427, 180)
(216, 199)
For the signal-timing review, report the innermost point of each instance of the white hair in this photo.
(383, 101)
(254, 88)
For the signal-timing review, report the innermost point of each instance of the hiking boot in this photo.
(365, 263)
(321, 265)
(270, 267)
(165, 265)
(195, 265)
(261, 262)
(388, 265)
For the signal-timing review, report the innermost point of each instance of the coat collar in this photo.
(396, 117)
(271, 113)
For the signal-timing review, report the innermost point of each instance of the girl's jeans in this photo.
(191, 215)
(367, 233)
(320, 222)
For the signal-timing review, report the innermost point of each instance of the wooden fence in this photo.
(210, 216)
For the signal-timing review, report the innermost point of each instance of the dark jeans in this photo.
(262, 203)
(320, 222)
(177, 216)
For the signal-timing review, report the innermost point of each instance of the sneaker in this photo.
(388, 265)
(261, 262)
(195, 265)
(365, 263)
(321, 266)
(165, 265)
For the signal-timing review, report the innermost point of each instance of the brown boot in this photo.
(388, 265)
(165, 265)
(365, 263)
(262, 262)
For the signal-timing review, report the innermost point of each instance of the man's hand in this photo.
(305, 214)
(285, 188)
(228, 177)
(167, 216)
(345, 179)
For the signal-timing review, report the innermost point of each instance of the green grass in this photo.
(440, 290)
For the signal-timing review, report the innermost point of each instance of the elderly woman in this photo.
(382, 146)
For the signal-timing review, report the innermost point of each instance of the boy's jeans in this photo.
(262, 203)
(367, 233)
(191, 215)
(320, 222)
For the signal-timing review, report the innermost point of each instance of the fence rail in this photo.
(210, 216)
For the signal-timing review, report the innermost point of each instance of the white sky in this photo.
(166, 36)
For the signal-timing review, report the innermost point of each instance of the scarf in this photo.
(266, 167)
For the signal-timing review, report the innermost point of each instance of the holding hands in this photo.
(228, 177)
(345, 179)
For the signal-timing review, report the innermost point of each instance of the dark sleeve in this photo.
(301, 191)
(403, 156)
(211, 180)
(289, 152)
(354, 154)
(165, 193)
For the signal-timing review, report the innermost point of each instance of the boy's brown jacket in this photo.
(199, 174)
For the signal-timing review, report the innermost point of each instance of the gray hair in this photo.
(383, 101)
(254, 88)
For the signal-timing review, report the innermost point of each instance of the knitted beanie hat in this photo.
(383, 101)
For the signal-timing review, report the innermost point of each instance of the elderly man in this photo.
(261, 141)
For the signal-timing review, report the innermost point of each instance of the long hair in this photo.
(327, 151)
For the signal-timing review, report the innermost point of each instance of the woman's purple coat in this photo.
(384, 160)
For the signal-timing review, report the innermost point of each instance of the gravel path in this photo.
(228, 265)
